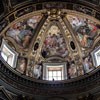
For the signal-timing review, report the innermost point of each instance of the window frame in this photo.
(57, 76)
(11, 51)
(55, 64)
(94, 56)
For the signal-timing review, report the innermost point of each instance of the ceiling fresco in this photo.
(54, 43)
(23, 32)
(85, 30)
(69, 39)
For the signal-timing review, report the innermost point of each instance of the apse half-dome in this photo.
(52, 44)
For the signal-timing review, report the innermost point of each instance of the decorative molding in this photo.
(32, 86)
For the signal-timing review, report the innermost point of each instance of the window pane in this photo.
(98, 58)
(50, 78)
(10, 60)
(58, 73)
(55, 78)
(50, 73)
(4, 56)
(59, 78)
(54, 73)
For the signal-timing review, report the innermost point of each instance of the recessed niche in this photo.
(72, 45)
(36, 46)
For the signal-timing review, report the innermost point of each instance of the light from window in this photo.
(7, 55)
(55, 73)
(97, 54)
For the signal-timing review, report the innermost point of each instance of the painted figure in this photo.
(54, 43)
(86, 30)
(23, 31)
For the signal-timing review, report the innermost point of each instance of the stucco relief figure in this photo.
(80, 70)
(37, 71)
(22, 64)
(29, 70)
(72, 71)
(87, 63)
(23, 31)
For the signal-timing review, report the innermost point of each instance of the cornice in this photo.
(41, 87)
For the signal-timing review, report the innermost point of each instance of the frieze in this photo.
(83, 9)
(3, 24)
(96, 2)
(50, 5)
(53, 5)
(1, 7)
(24, 11)
(16, 2)
(11, 18)
(97, 15)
